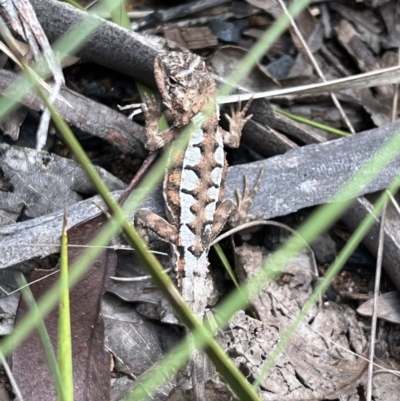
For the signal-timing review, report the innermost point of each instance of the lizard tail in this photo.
(198, 375)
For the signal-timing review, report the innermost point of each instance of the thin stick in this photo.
(10, 376)
(140, 278)
(375, 303)
(29, 284)
(138, 176)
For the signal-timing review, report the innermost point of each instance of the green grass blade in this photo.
(75, 4)
(64, 322)
(118, 13)
(44, 337)
(311, 123)
(50, 299)
(226, 264)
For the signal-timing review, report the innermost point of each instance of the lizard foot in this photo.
(152, 113)
(236, 120)
(241, 213)
(151, 108)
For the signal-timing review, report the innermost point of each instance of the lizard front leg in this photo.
(152, 113)
(145, 219)
(237, 120)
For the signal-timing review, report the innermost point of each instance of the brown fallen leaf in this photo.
(91, 363)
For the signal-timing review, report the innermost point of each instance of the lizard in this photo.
(194, 182)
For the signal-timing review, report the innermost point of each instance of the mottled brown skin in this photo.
(186, 88)
(185, 92)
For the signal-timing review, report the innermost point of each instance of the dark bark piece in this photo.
(323, 111)
(379, 109)
(186, 9)
(12, 122)
(312, 34)
(307, 24)
(91, 363)
(110, 45)
(366, 21)
(265, 140)
(225, 60)
(351, 41)
(226, 31)
(89, 116)
(326, 21)
(264, 114)
(136, 342)
(192, 37)
(135, 291)
(296, 130)
(389, 13)
(271, 7)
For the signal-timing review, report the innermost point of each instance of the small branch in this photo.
(89, 116)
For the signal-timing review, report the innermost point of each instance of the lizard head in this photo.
(185, 84)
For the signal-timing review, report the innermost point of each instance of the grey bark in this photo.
(301, 178)
(110, 45)
(87, 115)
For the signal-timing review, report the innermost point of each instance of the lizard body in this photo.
(194, 182)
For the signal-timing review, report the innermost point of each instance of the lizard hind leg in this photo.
(244, 200)
(221, 216)
(236, 213)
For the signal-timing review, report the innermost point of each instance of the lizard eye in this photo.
(172, 82)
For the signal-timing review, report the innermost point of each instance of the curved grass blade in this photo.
(64, 322)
